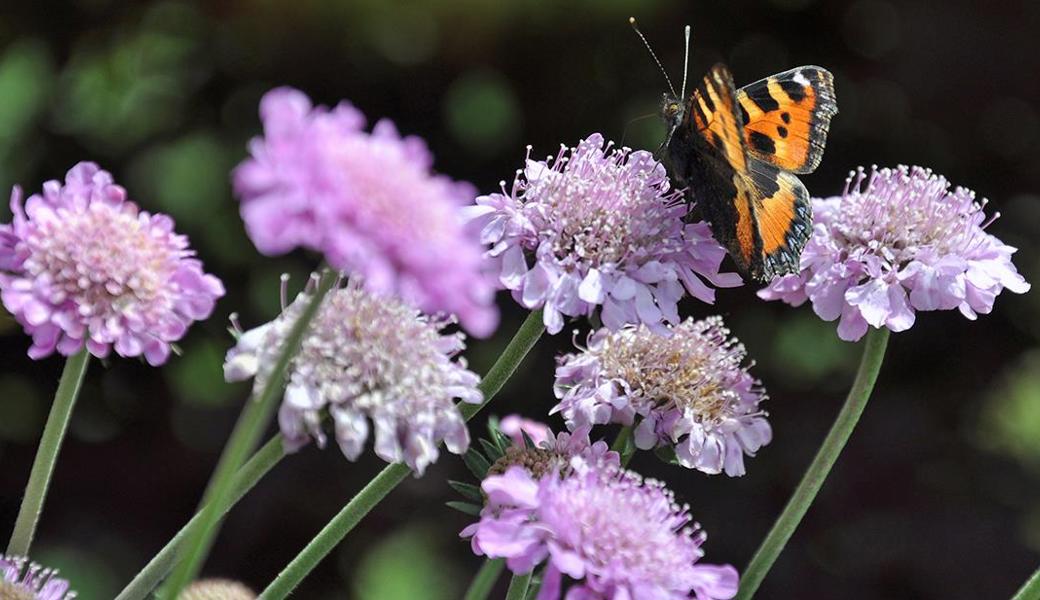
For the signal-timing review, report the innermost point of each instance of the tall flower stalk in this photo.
(251, 424)
(812, 481)
(47, 453)
(1031, 588)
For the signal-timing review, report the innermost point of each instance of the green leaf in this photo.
(666, 454)
(476, 463)
(468, 490)
(491, 450)
(464, 507)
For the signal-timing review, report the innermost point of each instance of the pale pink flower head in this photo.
(896, 242)
(80, 265)
(612, 533)
(688, 392)
(24, 580)
(369, 202)
(599, 228)
(365, 358)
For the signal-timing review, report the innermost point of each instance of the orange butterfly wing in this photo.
(786, 117)
(773, 215)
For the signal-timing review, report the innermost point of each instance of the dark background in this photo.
(937, 495)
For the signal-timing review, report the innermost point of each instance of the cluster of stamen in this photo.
(106, 259)
(598, 206)
(897, 213)
(693, 370)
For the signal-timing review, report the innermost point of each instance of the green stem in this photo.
(251, 425)
(247, 477)
(812, 481)
(485, 579)
(518, 586)
(623, 445)
(1031, 589)
(47, 453)
(391, 476)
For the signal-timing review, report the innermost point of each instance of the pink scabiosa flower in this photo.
(365, 357)
(613, 533)
(368, 202)
(599, 227)
(898, 241)
(689, 390)
(24, 580)
(81, 265)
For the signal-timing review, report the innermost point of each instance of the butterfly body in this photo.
(736, 151)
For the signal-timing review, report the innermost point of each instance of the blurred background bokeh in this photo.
(937, 495)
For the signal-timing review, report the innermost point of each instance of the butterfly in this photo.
(737, 151)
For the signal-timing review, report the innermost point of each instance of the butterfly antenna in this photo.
(632, 22)
(686, 62)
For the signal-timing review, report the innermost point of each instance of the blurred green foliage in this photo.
(1011, 415)
(408, 563)
(164, 94)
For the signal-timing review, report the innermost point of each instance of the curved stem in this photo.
(485, 579)
(149, 577)
(250, 426)
(1031, 589)
(518, 586)
(47, 453)
(812, 481)
(391, 476)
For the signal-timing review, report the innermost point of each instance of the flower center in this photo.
(13, 591)
(600, 208)
(537, 462)
(104, 258)
(621, 523)
(682, 371)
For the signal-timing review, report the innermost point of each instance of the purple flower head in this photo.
(898, 241)
(24, 580)
(689, 390)
(598, 226)
(613, 533)
(81, 265)
(369, 202)
(552, 453)
(365, 357)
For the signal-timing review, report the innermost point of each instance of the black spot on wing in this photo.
(762, 142)
(793, 89)
(745, 118)
(716, 139)
(786, 116)
(758, 94)
(781, 130)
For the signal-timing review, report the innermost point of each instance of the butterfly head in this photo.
(672, 111)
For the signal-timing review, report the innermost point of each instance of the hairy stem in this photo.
(812, 481)
(47, 453)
